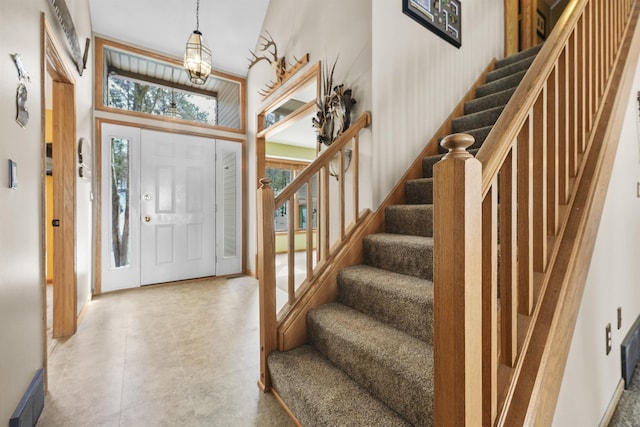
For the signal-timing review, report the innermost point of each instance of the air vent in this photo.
(630, 351)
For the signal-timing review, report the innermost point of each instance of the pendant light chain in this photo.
(197, 15)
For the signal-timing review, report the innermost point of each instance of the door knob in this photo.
(147, 219)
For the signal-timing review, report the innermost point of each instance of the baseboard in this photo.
(613, 404)
(31, 404)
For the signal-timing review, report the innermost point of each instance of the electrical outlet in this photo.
(619, 317)
(608, 338)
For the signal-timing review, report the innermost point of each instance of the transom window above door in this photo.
(134, 81)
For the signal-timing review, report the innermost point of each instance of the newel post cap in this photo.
(265, 183)
(457, 145)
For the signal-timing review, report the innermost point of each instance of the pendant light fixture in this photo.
(197, 55)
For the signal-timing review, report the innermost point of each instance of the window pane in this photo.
(120, 206)
(280, 178)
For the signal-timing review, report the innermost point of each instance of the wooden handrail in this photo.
(323, 246)
(323, 159)
(499, 141)
(551, 135)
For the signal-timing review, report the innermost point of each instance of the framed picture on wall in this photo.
(442, 17)
(541, 25)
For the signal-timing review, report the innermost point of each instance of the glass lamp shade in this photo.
(197, 58)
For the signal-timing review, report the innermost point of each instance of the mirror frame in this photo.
(313, 73)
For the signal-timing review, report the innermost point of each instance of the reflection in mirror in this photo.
(292, 103)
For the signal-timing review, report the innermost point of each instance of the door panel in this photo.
(177, 184)
(229, 215)
(120, 208)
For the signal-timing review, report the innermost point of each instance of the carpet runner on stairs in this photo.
(369, 360)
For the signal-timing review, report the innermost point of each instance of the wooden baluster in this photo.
(607, 41)
(582, 69)
(552, 152)
(490, 307)
(341, 201)
(596, 53)
(356, 178)
(291, 254)
(601, 47)
(563, 130)
(267, 282)
(590, 64)
(525, 218)
(540, 183)
(573, 106)
(458, 285)
(508, 262)
(309, 246)
(326, 196)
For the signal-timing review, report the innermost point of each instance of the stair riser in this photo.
(412, 222)
(500, 85)
(475, 121)
(518, 56)
(419, 191)
(381, 377)
(414, 260)
(317, 393)
(404, 312)
(486, 103)
(509, 69)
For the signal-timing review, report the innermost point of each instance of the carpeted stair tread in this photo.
(412, 255)
(429, 161)
(419, 191)
(320, 394)
(404, 302)
(518, 56)
(414, 220)
(499, 85)
(392, 365)
(509, 69)
(477, 120)
(490, 101)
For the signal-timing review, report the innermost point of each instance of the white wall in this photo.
(409, 78)
(21, 240)
(591, 377)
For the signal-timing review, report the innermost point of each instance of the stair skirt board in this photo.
(383, 316)
(285, 407)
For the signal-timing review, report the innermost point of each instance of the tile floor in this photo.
(171, 355)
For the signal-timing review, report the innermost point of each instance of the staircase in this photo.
(370, 357)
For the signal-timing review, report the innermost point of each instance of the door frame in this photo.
(64, 133)
(99, 121)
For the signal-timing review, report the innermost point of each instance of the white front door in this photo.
(159, 216)
(177, 184)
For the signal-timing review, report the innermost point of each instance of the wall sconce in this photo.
(334, 163)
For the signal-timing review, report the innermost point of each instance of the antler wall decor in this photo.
(279, 64)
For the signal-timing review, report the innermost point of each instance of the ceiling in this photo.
(231, 27)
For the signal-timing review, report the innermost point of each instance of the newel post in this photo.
(458, 285)
(266, 274)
